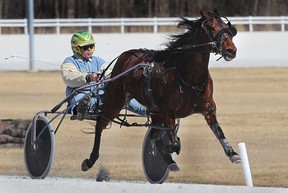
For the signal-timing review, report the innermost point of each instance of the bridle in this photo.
(224, 33)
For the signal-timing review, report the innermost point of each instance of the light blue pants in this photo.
(97, 102)
(136, 107)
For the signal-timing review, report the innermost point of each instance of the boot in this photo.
(82, 107)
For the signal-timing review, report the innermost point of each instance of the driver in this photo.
(82, 68)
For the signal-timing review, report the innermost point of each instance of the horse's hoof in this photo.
(173, 167)
(86, 165)
(175, 146)
(235, 159)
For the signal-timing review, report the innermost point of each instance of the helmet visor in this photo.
(91, 46)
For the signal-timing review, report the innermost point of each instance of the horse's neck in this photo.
(196, 66)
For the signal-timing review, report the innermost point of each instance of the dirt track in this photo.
(252, 108)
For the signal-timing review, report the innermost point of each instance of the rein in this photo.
(194, 46)
(103, 72)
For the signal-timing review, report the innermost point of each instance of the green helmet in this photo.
(81, 38)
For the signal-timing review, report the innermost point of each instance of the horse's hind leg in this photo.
(163, 141)
(210, 117)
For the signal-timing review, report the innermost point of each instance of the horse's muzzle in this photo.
(229, 54)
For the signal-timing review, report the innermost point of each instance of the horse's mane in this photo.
(187, 37)
(177, 41)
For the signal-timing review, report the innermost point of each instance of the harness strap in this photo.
(146, 90)
(123, 122)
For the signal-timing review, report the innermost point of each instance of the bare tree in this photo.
(70, 4)
(135, 8)
(1, 9)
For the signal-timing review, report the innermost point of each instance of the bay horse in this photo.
(178, 78)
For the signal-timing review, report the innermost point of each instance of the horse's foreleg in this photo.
(88, 163)
(210, 117)
(109, 114)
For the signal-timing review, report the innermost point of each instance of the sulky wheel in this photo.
(39, 156)
(155, 168)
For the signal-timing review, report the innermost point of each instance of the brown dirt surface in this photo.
(251, 108)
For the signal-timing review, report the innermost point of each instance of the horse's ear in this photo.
(203, 13)
(216, 11)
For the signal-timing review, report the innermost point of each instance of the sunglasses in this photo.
(87, 47)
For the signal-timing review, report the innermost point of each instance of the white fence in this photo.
(257, 49)
(122, 23)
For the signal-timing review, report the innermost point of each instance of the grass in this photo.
(251, 108)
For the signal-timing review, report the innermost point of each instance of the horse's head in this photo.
(220, 32)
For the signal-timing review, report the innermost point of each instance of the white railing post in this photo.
(250, 24)
(155, 26)
(58, 26)
(282, 24)
(26, 27)
(89, 25)
(122, 27)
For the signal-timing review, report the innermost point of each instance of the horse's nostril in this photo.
(231, 51)
(229, 54)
